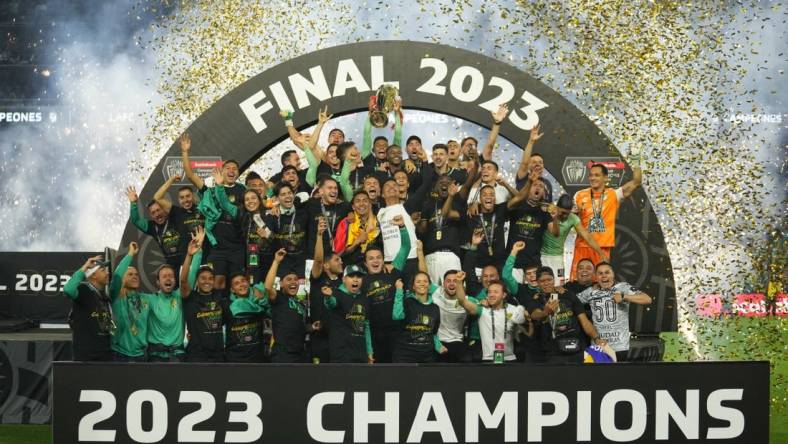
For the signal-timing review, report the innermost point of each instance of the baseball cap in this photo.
(354, 269)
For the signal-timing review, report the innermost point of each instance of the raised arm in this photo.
(191, 263)
(470, 181)
(522, 169)
(404, 249)
(502, 181)
(447, 209)
(397, 140)
(637, 178)
(506, 274)
(70, 288)
(134, 211)
(317, 260)
(554, 225)
(161, 194)
(469, 306)
(398, 309)
(344, 179)
(635, 297)
(116, 283)
(314, 138)
(366, 143)
(420, 253)
(497, 117)
(469, 263)
(270, 278)
(186, 145)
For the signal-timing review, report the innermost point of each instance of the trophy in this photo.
(381, 104)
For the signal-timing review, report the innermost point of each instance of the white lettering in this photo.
(317, 87)
(280, 96)
(314, 417)
(349, 76)
(376, 68)
(476, 409)
(458, 80)
(363, 417)
(158, 416)
(607, 415)
(537, 420)
(716, 410)
(666, 407)
(432, 402)
(254, 113)
(583, 416)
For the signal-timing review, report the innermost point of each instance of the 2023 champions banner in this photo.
(245, 124)
(294, 404)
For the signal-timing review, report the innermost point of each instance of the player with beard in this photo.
(161, 226)
(528, 223)
(227, 255)
(419, 322)
(289, 316)
(254, 232)
(165, 321)
(372, 186)
(584, 274)
(288, 224)
(452, 320)
(552, 254)
(488, 217)
(130, 310)
(491, 178)
(329, 166)
(379, 290)
(394, 162)
(440, 166)
(533, 163)
(358, 231)
(417, 160)
(326, 271)
(350, 338)
(559, 316)
(244, 315)
(527, 348)
(288, 158)
(90, 318)
(300, 188)
(185, 214)
(610, 301)
(496, 320)
(328, 207)
(597, 208)
(439, 227)
(204, 311)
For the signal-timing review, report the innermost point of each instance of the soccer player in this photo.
(350, 338)
(420, 319)
(610, 301)
(130, 310)
(597, 208)
(439, 228)
(453, 317)
(161, 226)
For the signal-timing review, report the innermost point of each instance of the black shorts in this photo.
(457, 352)
(227, 261)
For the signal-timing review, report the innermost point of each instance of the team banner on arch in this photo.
(688, 403)
(245, 124)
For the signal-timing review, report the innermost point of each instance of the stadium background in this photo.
(703, 102)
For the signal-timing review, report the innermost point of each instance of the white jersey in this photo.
(453, 317)
(610, 319)
(501, 194)
(499, 319)
(390, 232)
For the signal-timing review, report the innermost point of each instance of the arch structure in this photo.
(245, 124)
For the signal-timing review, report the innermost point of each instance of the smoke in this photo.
(61, 182)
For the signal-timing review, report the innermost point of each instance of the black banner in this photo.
(176, 403)
(31, 284)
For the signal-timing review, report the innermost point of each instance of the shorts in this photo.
(227, 261)
(457, 352)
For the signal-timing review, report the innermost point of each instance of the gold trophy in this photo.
(381, 104)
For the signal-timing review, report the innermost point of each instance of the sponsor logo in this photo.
(201, 165)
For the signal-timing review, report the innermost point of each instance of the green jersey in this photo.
(554, 245)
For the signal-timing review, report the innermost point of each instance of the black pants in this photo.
(457, 352)
(383, 344)
(622, 356)
(280, 355)
(475, 350)
(563, 358)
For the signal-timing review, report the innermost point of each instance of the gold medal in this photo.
(133, 330)
(174, 303)
(489, 251)
(438, 235)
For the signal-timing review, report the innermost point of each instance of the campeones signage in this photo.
(189, 403)
(245, 124)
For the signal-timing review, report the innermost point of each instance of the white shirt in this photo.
(453, 317)
(390, 232)
(610, 319)
(501, 194)
(515, 315)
